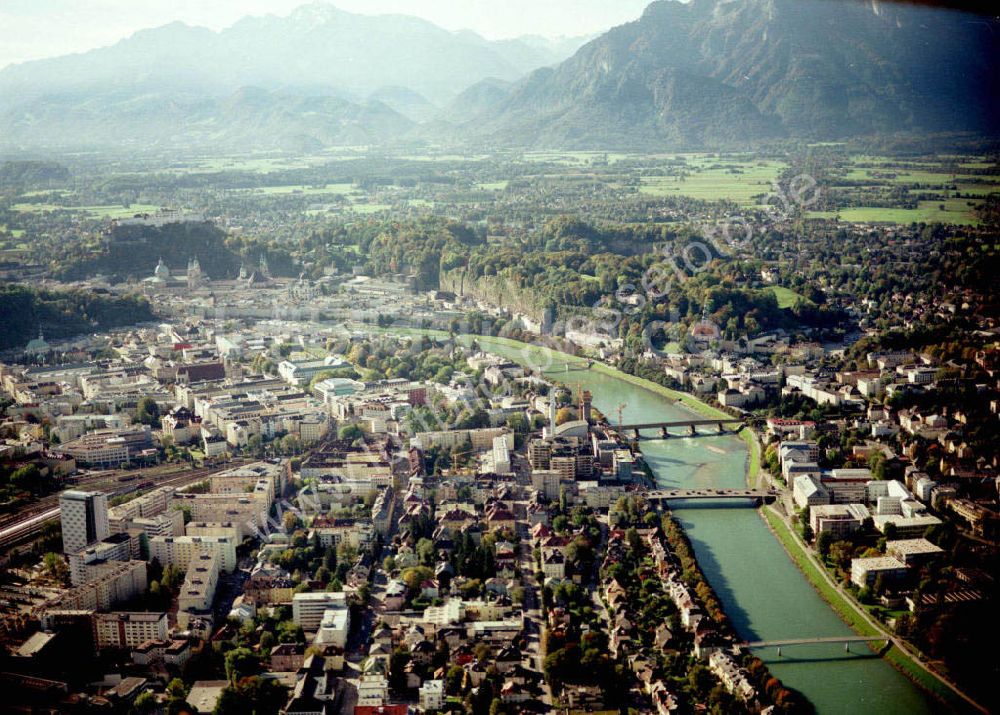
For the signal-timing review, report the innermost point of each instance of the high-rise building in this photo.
(84, 517)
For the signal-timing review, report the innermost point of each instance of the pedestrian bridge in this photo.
(573, 366)
(753, 496)
(846, 640)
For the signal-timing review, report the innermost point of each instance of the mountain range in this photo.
(711, 72)
(694, 74)
(318, 76)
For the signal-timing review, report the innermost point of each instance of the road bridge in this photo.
(692, 425)
(754, 496)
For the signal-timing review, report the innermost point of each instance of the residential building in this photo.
(198, 590)
(128, 629)
(432, 695)
(373, 690)
(116, 547)
(84, 519)
(334, 627)
(116, 582)
(309, 608)
(179, 551)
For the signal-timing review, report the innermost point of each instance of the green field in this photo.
(907, 176)
(787, 298)
(258, 165)
(937, 176)
(44, 192)
(369, 208)
(111, 211)
(326, 190)
(956, 211)
(576, 158)
(715, 179)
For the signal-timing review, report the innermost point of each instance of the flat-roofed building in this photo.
(109, 448)
(913, 552)
(334, 627)
(128, 629)
(241, 479)
(906, 527)
(170, 523)
(148, 505)
(84, 519)
(198, 591)
(230, 529)
(116, 547)
(179, 551)
(480, 439)
(246, 509)
(308, 608)
(115, 582)
(841, 520)
(865, 571)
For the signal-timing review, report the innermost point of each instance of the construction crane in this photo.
(619, 409)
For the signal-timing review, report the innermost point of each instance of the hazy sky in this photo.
(31, 29)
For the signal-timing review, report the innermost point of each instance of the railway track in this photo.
(29, 523)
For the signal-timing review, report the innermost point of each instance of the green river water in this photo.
(763, 592)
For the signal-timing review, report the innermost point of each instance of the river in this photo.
(764, 593)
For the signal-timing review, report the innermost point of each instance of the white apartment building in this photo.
(117, 581)
(246, 509)
(334, 627)
(148, 505)
(230, 529)
(116, 547)
(198, 591)
(128, 629)
(373, 690)
(432, 695)
(179, 551)
(308, 609)
(168, 524)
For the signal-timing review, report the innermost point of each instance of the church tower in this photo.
(195, 278)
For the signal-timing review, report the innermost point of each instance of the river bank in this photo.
(798, 553)
(712, 533)
(762, 589)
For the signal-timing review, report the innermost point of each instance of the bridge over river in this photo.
(753, 497)
(692, 425)
(845, 640)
